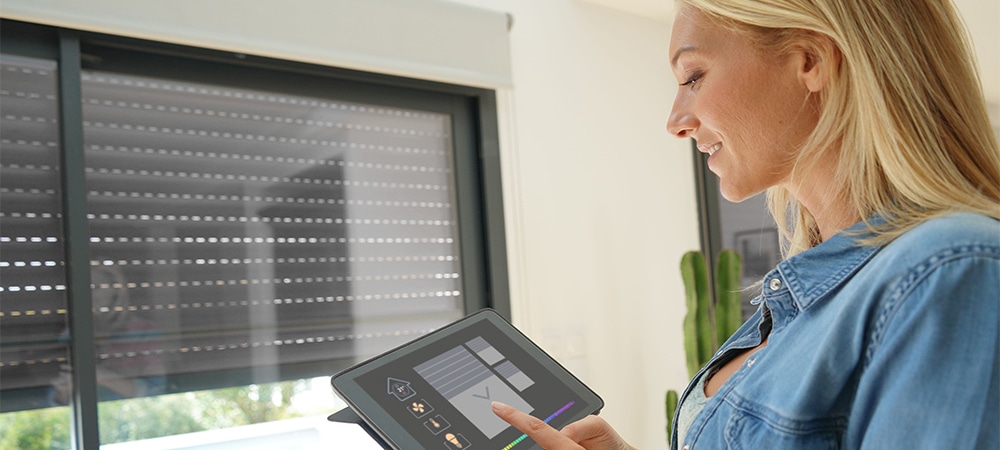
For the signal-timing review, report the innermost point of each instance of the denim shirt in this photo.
(892, 347)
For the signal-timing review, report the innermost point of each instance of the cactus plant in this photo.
(708, 323)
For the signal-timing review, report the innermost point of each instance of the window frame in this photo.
(706, 189)
(478, 194)
(713, 209)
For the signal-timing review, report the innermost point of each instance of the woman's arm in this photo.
(931, 369)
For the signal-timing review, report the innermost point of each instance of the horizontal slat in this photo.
(30, 98)
(166, 110)
(121, 176)
(29, 178)
(244, 350)
(43, 150)
(20, 276)
(35, 366)
(174, 159)
(27, 248)
(28, 128)
(40, 328)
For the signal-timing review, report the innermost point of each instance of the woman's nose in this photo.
(682, 122)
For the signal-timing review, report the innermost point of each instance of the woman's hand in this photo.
(589, 433)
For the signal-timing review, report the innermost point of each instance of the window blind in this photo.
(32, 274)
(240, 228)
(235, 234)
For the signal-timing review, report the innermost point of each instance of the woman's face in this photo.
(745, 108)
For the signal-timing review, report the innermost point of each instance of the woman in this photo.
(865, 123)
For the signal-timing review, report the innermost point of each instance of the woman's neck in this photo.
(828, 204)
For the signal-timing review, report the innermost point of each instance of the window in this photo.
(746, 227)
(178, 220)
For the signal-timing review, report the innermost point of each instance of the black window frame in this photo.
(479, 202)
(706, 189)
(711, 228)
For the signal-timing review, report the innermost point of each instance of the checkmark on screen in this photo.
(485, 397)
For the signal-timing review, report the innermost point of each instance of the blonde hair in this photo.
(904, 108)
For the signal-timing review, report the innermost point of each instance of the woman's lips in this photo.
(710, 148)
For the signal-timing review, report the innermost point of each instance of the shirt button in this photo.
(775, 284)
(686, 447)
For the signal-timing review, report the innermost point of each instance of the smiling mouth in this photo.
(710, 149)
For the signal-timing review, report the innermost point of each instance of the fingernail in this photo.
(499, 407)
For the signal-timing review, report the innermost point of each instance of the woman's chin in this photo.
(734, 194)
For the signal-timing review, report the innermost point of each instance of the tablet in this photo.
(436, 391)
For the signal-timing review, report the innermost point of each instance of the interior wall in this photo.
(600, 202)
(982, 21)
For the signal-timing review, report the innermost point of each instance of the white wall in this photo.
(600, 202)
(982, 19)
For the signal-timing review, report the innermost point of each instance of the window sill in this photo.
(306, 433)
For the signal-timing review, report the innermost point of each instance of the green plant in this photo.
(151, 417)
(708, 323)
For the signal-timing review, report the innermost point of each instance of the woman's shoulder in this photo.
(943, 262)
(957, 232)
(937, 242)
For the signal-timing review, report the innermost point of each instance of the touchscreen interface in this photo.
(441, 394)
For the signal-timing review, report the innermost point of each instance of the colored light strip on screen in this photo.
(525, 436)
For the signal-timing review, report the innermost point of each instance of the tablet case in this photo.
(347, 415)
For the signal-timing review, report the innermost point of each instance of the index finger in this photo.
(544, 435)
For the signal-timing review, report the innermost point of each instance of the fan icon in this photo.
(420, 408)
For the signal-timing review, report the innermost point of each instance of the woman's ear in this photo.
(820, 59)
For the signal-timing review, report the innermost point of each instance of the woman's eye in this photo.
(692, 80)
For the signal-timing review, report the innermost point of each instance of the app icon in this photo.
(454, 441)
(420, 408)
(400, 389)
(437, 424)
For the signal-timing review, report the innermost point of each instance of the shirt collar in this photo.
(812, 276)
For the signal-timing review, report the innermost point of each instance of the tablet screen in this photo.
(436, 392)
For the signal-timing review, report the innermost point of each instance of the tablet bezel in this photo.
(346, 386)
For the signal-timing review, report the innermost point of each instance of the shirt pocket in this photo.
(747, 431)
